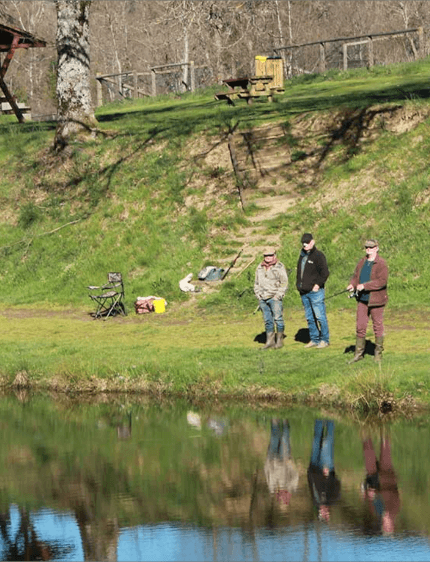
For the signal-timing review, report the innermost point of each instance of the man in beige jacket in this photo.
(271, 284)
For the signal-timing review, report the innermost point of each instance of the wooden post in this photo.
(9, 56)
(9, 97)
(99, 92)
(11, 100)
(345, 56)
(193, 76)
(421, 50)
(371, 58)
(135, 91)
(154, 83)
(322, 57)
(290, 63)
(239, 180)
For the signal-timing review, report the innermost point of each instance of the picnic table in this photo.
(248, 87)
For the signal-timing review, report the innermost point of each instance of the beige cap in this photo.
(371, 243)
(269, 251)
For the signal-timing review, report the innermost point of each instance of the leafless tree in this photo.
(75, 109)
(5, 16)
(224, 36)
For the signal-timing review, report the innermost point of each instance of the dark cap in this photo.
(307, 237)
(371, 243)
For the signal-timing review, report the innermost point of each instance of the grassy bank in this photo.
(207, 356)
(154, 196)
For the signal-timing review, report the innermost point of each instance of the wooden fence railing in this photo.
(126, 83)
(330, 53)
(419, 49)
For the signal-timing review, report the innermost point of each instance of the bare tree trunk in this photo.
(75, 111)
(185, 70)
(403, 9)
(287, 70)
(290, 38)
(99, 539)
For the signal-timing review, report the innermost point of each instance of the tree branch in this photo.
(24, 240)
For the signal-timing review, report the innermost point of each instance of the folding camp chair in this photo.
(111, 300)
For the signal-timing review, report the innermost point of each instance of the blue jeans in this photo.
(279, 446)
(314, 305)
(322, 455)
(272, 314)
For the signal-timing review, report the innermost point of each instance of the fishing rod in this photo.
(353, 294)
(231, 265)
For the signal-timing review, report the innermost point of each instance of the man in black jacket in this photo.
(323, 482)
(312, 273)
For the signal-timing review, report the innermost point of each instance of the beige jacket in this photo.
(271, 283)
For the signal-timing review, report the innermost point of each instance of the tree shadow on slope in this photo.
(97, 181)
(178, 121)
(351, 129)
(321, 99)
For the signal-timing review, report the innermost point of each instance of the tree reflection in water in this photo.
(25, 544)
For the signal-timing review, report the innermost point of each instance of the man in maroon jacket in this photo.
(370, 283)
(380, 486)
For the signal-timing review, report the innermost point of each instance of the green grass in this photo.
(214, 355)
(120, 202)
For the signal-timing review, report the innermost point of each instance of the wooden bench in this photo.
(228, 96)
(248, 88)
(7, 109)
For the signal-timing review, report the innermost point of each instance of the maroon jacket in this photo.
(378, 281)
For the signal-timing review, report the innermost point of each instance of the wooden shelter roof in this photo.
(25, 39)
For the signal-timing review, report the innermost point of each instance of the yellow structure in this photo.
(159, 306)
(271, 66)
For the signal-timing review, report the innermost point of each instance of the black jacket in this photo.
(324, 490)
(315, 273)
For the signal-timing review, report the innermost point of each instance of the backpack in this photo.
(211, 273)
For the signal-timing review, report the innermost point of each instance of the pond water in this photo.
(126, 478)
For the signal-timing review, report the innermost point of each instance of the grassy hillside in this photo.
(145, 197)
(154, 195)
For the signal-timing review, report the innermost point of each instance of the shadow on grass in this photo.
(323, 100)
(179, 120)
(262, 338)
(368, 350)
(28, 127)
(302, 335)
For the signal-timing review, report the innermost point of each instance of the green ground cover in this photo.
(118, 203)
(215, 356)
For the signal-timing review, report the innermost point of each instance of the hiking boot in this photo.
(322, 344)
(279, 340)
(360, 344)
(270, 340)
(311, 344)
(379, 348)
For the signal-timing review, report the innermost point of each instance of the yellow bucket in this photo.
(159, 306)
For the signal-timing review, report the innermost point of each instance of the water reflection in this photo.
(138, 480)
(282, 475)
(323, 483)
(21, 540)
(380, 486)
